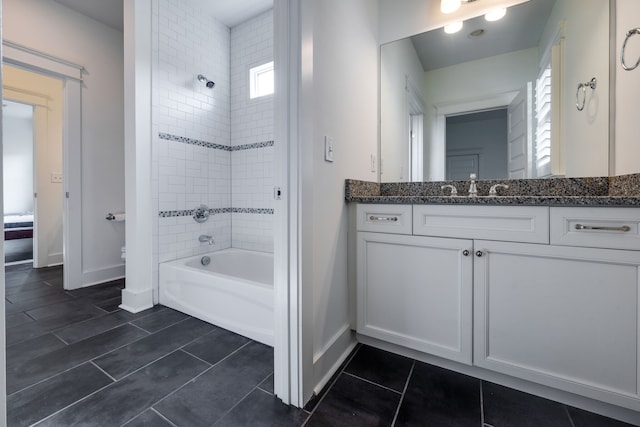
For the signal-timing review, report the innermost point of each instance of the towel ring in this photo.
(591, 84)
(630, 33)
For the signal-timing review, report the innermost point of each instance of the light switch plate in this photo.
(328, 149)
(56, 178)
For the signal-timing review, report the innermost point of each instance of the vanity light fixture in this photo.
(454, 27)
(449, 6)
(495, 14)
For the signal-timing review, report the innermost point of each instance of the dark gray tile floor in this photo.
(74, 358)
(18, 250)
(377, 388)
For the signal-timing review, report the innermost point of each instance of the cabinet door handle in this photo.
(383, 218)
(479, 253)
(466, 252)
(623, 228)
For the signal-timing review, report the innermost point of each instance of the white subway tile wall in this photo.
(187, 42)
(251, 123)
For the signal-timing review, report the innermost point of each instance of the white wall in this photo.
(398, 63)
(627, 149)
(469, 81)
(18, 164)
(586, 55)
(191, 161)
(49, 27)
(339, 98)
(252, 128)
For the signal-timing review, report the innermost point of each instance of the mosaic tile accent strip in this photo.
(191, 212)
(200, 143)
(192, 141)
(252, 146)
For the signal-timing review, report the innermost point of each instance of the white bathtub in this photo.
(235, 291)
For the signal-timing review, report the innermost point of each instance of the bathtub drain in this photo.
(205, 260)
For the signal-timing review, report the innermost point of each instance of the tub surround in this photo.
(600, 191)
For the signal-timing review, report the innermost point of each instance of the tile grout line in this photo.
(162, 416)
(404, 392)
(116, 381)
(330, 386)
(234, 406)
(71, 404)
(103, 371)
(79, 364)
(166, 327)
(566, 411)
(373, 383)
(200, 374)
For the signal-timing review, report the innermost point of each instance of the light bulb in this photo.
(495, 14)
(449, 6)
(452, 28)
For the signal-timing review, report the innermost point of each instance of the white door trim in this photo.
(71, 75)
(287, 363)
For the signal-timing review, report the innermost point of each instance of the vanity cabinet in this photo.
(548, 295)
(565, 317)
(416, 292)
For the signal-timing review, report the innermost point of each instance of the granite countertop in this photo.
(602, 191)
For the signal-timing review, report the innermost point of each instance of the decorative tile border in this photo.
(252, 211)
(191, 212)
(252, 146)
(192, 141)
(200, 143)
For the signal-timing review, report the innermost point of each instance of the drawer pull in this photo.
(383, 218)
(623, 228)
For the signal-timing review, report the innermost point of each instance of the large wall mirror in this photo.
(505, 99)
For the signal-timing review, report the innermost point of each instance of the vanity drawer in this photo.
(527, 224)
(615, 228)
(384, 218)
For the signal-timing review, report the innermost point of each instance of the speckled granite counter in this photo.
(604, 191)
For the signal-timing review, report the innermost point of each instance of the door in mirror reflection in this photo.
(477, 143)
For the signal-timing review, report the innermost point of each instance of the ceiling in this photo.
(229, 12)
(520, 29)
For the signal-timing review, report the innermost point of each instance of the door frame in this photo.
(71, 76)
(288, 363)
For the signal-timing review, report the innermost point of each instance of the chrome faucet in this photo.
(205, 238)
(493, 190)
(454, 192)
(473, 190)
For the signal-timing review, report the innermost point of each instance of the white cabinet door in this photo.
(565, 317)
(416, 292)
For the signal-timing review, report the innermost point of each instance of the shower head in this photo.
(208, 83)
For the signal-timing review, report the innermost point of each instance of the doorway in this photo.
(18, 169)
(33, 181)
(477, 143)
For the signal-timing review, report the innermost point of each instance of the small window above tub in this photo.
(261, 80)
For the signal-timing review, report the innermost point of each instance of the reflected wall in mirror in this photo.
(506, 90)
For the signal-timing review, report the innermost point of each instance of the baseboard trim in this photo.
(135, 302)
(327, 361)
(108, 274)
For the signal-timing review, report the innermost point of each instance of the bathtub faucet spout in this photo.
(205, 238)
